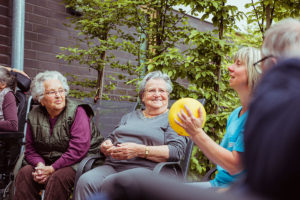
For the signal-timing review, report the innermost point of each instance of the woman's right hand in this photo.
(107, 144)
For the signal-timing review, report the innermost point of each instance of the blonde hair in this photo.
(248, 56)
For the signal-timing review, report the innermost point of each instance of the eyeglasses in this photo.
(258, 67)
(154, 91)
(61, 92)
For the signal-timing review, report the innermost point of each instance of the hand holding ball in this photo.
(193, 105)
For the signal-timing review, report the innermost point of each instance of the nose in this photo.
(231, 68)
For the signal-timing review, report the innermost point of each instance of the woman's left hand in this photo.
(189, 122)
(126, 150)
(42, 173)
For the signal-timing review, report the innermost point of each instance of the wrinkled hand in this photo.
(107, 144)
(42, 173)
(126, 150)
(189, 122)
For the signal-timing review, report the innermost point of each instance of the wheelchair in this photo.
(11, 142)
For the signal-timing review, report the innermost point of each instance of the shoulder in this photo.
(10, 96)
(235, 113)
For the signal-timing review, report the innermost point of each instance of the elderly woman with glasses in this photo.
(142, 139)
(60, 133)
(227, 155)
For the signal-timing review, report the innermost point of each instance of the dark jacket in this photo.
(51, 147)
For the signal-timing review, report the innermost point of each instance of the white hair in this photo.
(282, 40)
(37, 85)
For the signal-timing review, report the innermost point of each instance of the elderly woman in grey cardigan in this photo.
(141, 140)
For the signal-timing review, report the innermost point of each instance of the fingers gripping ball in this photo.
(193, 105)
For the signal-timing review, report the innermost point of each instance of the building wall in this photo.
(5, 42)
(45, 33)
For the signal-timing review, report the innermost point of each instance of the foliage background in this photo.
(163, 40)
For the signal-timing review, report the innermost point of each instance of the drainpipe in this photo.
(18, 16)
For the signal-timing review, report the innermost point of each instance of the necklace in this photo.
(151, 116)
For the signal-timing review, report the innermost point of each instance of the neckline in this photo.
(141, 113)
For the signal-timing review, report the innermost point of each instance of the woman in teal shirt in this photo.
(227, 155)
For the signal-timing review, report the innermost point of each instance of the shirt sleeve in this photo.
(176, 144)
(79, 143)
(31, 156)
(10, 113)
(239, 144)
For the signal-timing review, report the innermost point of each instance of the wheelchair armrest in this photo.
(85, 165)
(11, 134)
(176, 165)
(207, 176)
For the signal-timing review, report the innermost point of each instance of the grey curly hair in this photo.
(37, 86)
(155, 75)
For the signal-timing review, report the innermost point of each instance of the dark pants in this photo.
(58, 187)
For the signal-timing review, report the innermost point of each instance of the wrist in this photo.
(146, 151)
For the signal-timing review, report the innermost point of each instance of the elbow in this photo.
(235, 170)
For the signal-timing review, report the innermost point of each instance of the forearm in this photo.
(228, 160)
(156, 153)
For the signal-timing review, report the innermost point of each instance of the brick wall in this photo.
(5, 24)
(45, 33)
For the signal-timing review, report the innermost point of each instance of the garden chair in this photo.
(180, 167)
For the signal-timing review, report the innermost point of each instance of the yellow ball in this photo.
(193, 105)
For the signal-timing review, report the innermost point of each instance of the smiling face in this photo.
(156, 95)
(53, 103)
(238, 75)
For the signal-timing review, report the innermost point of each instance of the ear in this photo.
(273, 60)
(2, 85)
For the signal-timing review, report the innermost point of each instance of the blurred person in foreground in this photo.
(142, 139)
(60, 133)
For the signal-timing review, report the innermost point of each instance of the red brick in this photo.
(4, 49)
(4, 40)
(57, 6)
(4, 2)
(42, 3)
(31, 36)
(4, 20)
(46, 39)
(5, 59)
(57, 24)
(30, 63)
(29, 54)
(42, 11)
(28, 8)
(42, 47)
(38, 19)
(4, 31)
(28, 26)
(4, 10)
(42, 56)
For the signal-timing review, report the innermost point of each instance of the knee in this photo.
(25, 172)
(84, 181)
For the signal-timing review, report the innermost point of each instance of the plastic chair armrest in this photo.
(176, 165)
(207, 176)
(85, 165)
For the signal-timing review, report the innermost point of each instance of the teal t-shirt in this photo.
(233, 140)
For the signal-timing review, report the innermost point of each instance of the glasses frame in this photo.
(156, 91)
(61, 92)
(257, 67)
